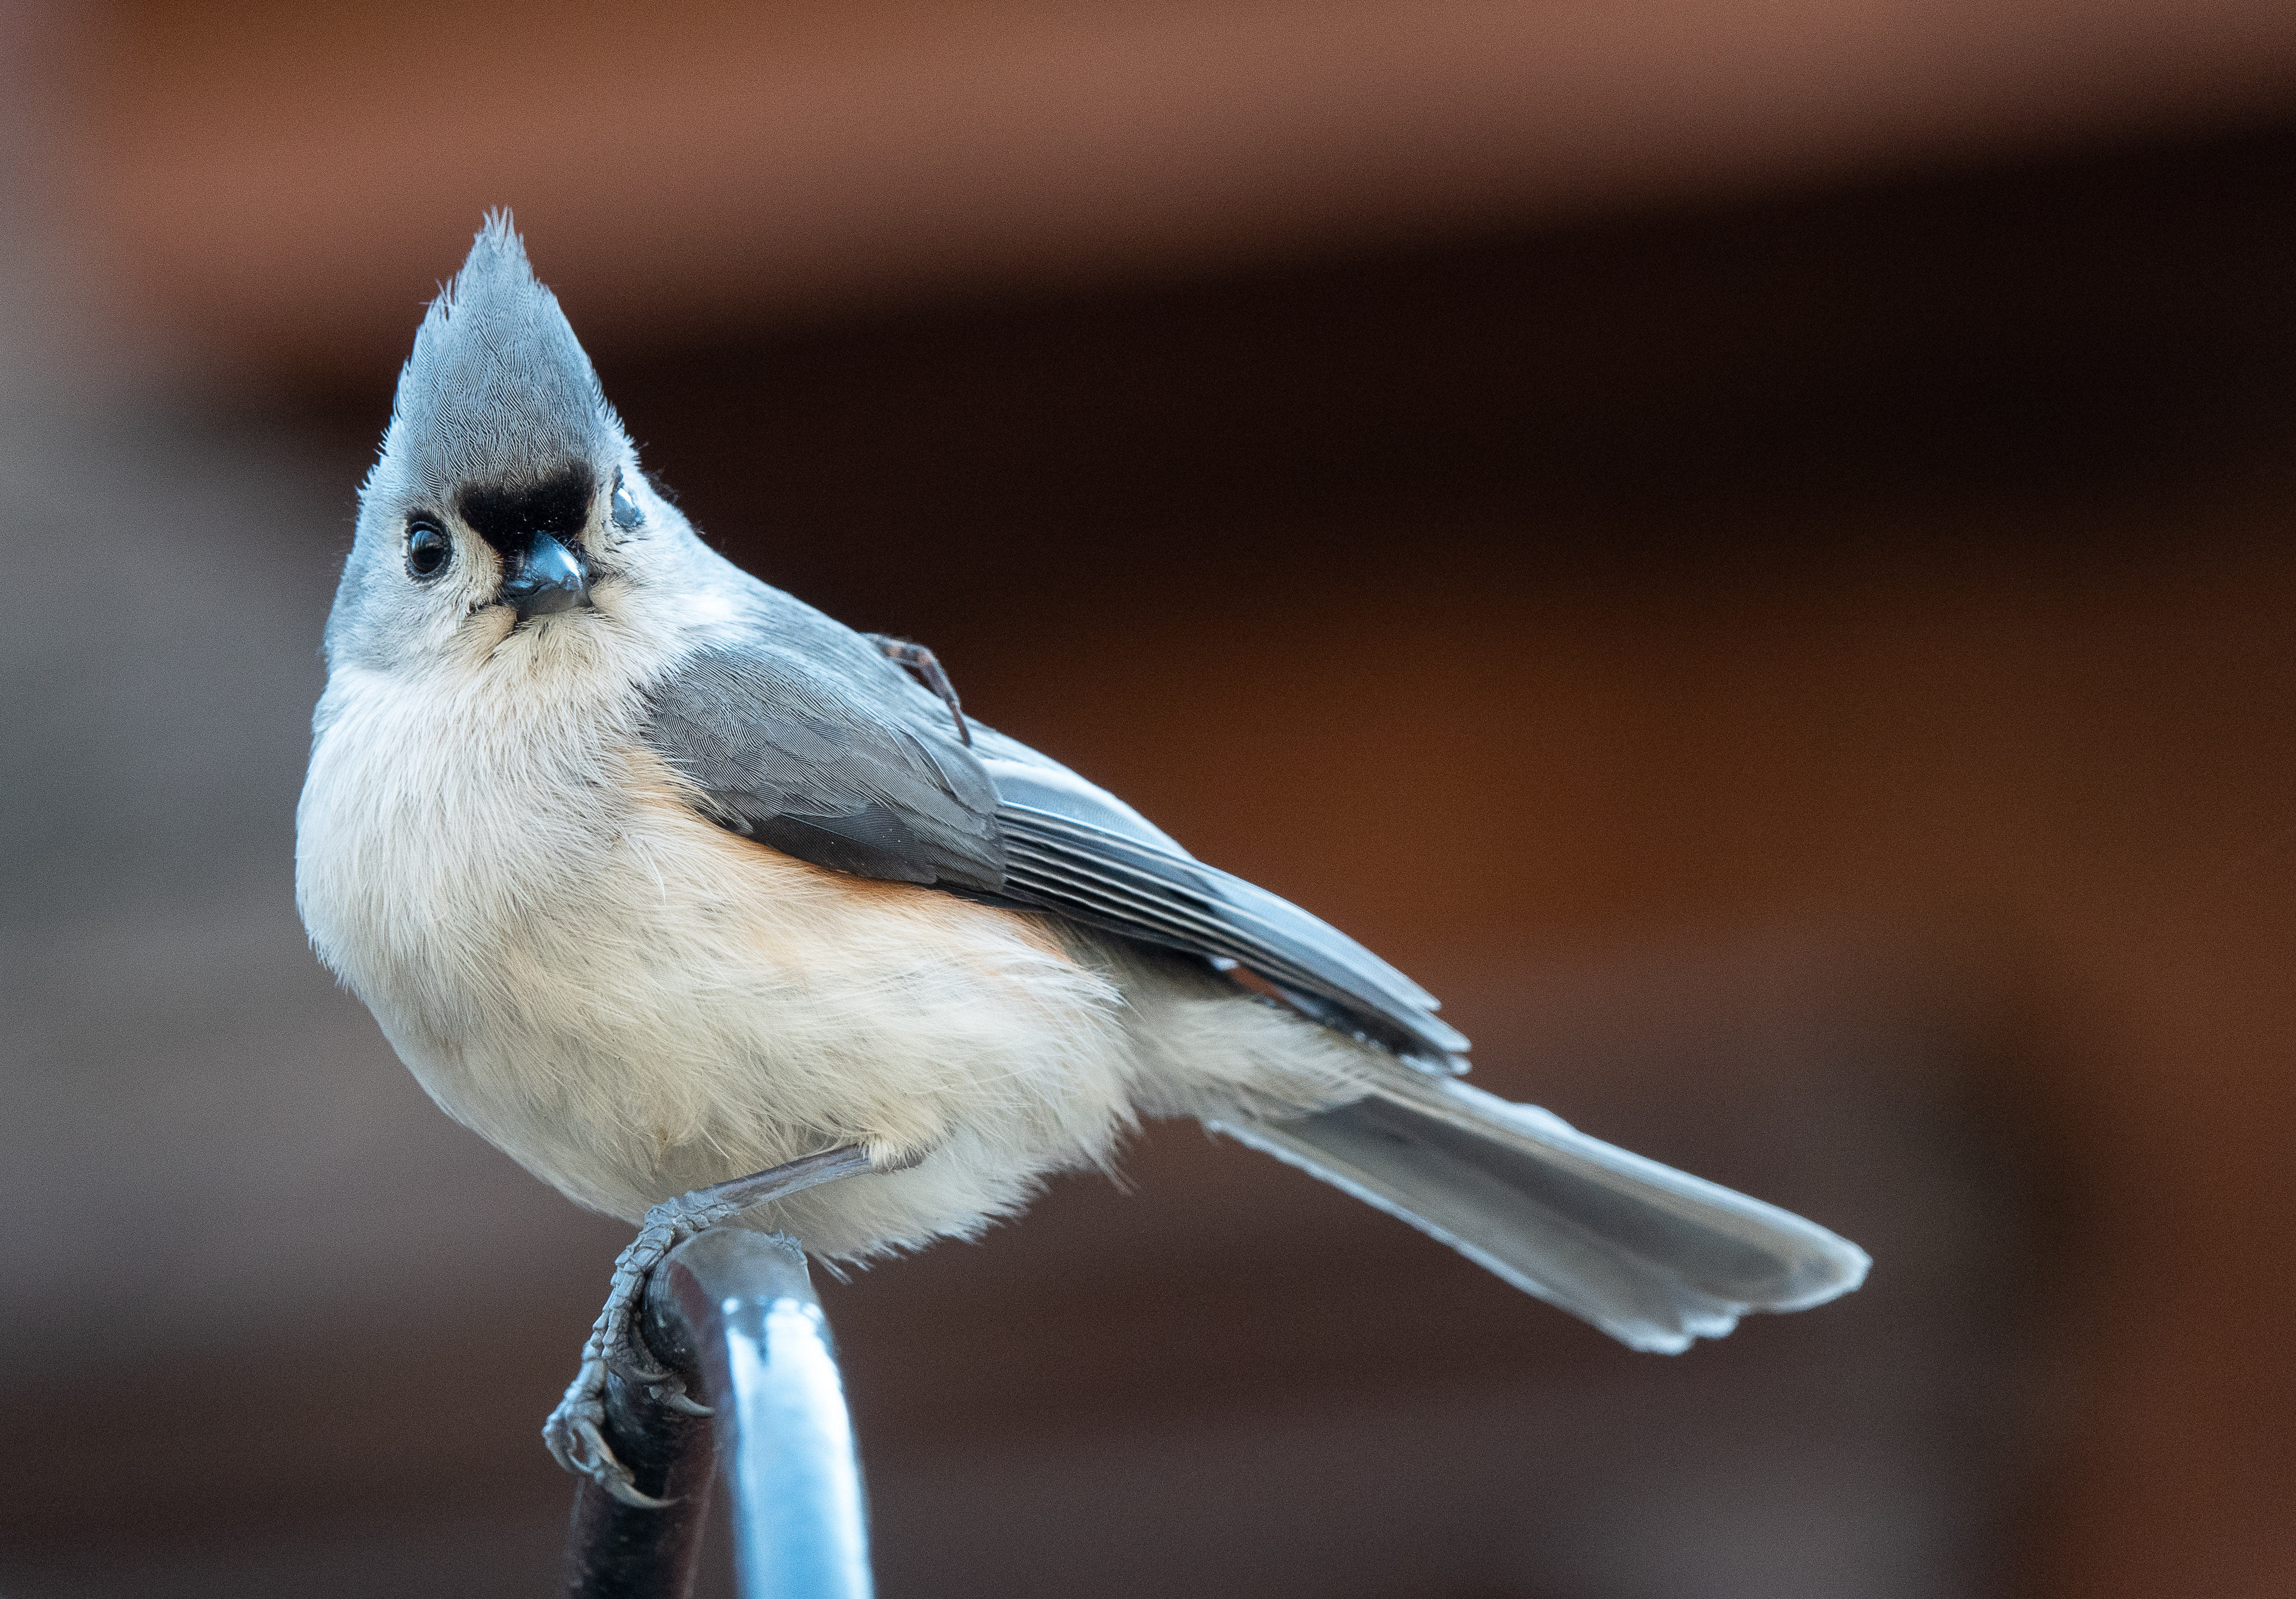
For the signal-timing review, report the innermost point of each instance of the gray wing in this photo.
(1075, 848)
(778, 753)
(861, 772)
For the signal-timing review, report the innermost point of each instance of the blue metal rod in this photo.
(739, 1307)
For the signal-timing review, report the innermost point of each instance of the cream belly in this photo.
(632, 1002)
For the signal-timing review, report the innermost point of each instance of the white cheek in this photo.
(477, 574)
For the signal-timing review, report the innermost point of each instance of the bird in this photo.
(704, 907)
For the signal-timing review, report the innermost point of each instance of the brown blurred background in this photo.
(1747, 546)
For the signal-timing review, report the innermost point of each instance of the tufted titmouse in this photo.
(692, 900)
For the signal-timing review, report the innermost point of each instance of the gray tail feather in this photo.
(1653, 1256)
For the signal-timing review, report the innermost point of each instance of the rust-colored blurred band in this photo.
(265, 182)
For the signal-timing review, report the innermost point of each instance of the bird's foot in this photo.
(928, 671)
(575, 1433)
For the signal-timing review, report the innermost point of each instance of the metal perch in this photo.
(734, 1312)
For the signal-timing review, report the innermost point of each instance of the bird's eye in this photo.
(427, 549)
(624, 510)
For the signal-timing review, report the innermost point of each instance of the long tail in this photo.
(1653, 1256)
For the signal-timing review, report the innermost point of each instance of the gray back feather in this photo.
(784, 750)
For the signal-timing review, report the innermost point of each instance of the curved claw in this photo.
(617, 1483)
(673, 1396)
(641, 1375)
(572, 1436)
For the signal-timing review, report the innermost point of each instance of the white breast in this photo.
(632, 1002)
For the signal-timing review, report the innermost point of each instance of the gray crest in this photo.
(498, 390)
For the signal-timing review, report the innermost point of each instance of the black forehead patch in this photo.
(509, 515)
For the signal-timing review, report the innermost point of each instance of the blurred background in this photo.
(1746, 545)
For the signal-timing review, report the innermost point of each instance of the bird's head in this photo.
(508, 498)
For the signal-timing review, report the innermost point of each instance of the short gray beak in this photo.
(546, 579)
